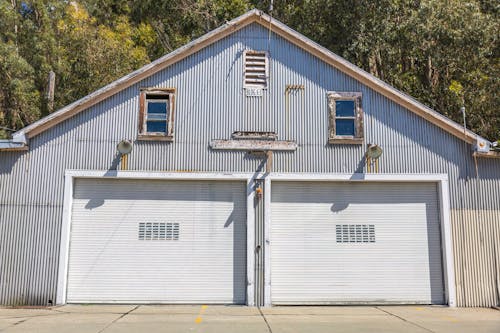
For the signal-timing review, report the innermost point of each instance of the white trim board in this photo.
(250, 243)
(267, 243)
(70, 175)
(156, 175)
(374, 177)
(440, 179)
(64, 245)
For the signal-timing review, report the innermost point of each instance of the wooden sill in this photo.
(490, 154)
(155, 137)
(346, 141)
(23, 148)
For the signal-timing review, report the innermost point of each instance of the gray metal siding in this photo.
(476, 236)
(210, 104)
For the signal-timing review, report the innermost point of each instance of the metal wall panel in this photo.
(341, 242)
(211, 104)
(199, 257)
(476, 234)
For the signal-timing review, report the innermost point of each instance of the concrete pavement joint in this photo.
(35, 316)
(20, 321)
(114, 321)
(405, 320)
(16, 323)
(265, 320)
(320, 315)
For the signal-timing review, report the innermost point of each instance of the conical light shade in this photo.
(124, 147)
(374, 151)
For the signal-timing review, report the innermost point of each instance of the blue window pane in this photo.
(344, 127)
(344, 108)
(157, 107)
(156, 126)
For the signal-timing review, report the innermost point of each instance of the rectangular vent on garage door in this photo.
(158, 231)
(355, 233)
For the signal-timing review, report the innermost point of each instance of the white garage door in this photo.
(157, 241)
(349, 242)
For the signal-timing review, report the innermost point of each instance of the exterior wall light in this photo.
(124, 148)
(373, 153)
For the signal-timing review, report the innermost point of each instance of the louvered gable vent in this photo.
(255, 69)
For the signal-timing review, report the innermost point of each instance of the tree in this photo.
(178, 22)
(39, 36)
(92, 55)
(17, 90)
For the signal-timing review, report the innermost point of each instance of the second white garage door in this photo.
(355, 243)
(157, 241)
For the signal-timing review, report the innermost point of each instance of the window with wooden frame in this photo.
(345, 118)
(156, 114)
(256, 69)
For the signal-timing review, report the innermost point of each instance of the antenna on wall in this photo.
(271, 7)
(462, 109)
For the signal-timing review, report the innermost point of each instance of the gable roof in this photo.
(253, 16)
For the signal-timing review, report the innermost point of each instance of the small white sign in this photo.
(253, 92)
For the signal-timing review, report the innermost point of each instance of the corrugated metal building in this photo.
(254, 178)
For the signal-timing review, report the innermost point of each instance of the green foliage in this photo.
(177, 22)
(18, 90)
(444, 53)
(90, 63)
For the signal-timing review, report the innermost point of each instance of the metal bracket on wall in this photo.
(288, 88)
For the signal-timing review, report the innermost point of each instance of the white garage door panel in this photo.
(402, 265)
(109, 262)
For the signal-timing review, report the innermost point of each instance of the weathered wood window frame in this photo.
(248, 81)
(358, 136)
(169, 96)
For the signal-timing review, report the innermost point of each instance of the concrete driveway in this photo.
(217, 319)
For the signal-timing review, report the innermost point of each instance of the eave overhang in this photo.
(17, 143)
